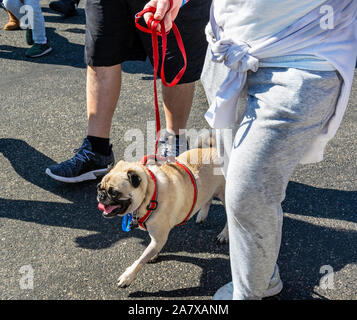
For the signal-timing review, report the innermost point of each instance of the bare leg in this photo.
(177, 105)
(103, 90)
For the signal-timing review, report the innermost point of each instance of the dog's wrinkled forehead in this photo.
(117, 180)
(124, 176)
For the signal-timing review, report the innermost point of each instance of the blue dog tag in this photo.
(126, 222)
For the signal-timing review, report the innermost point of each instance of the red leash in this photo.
(152, 28)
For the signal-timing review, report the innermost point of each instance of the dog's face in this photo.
(122, 190)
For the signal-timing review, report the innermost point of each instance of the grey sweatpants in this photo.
(286, 108)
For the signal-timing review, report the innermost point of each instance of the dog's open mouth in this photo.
(109, 211)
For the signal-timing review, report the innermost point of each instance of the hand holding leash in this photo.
(166, 10)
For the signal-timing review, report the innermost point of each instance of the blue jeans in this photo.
(35, 21)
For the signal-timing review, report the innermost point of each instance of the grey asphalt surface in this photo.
(77, 254)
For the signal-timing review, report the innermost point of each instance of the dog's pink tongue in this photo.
(106, 209)
(101, 206)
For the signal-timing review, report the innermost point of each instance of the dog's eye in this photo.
(113, 193)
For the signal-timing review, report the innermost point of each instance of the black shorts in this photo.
(112, 38)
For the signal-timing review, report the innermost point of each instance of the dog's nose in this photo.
(101, 196)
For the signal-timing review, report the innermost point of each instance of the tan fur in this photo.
(175, 197)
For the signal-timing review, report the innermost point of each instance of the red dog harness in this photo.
(154, 203)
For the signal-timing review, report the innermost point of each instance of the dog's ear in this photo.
(134, 179)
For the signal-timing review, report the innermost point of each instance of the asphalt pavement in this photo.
(56, 231)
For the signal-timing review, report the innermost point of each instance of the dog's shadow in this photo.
(214, 270)
(306, 247)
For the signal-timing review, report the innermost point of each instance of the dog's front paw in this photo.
(154, 259)
(126, 278)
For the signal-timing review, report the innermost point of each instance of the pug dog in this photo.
(129, 187)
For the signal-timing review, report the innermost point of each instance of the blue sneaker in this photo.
(84, 165)
(172, 146)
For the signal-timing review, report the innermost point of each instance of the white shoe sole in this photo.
(226, 292)
(91, 175)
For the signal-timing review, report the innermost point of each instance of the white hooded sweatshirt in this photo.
(229, 58)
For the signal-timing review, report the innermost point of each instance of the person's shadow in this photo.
(306, 247)
(139, 67)
(65, 53)
(56, 17)
(308, 244)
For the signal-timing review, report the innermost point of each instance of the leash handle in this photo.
(152, 29)
(140, 14)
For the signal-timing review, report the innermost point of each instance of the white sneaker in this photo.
(275, 286)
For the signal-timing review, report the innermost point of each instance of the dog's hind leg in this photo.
(223, 236)
(202, 214)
